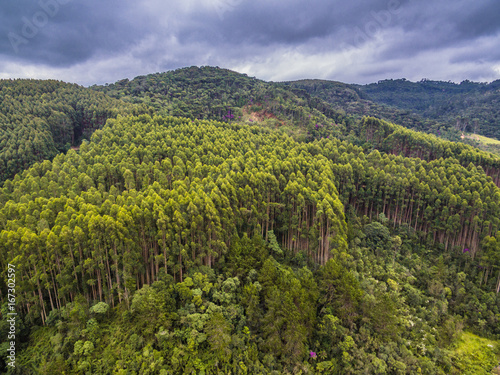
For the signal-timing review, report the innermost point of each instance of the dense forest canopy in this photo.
(351, 99)
(224, 95)
(202, 93)
(39, 119)
(445, 109)
(468, 106)
(221, 224)
(419, 95)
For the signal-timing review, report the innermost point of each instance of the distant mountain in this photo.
(468, 106)
(353, 100)
(208, 92)
(204, 92)
(429, 106)
(39, 119)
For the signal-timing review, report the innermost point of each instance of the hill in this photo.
(307, 110)
(354, 100)
(468, 106)
(210, 93)
(39, 119)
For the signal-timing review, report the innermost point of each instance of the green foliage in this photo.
(244, 255)
(289, 309)
(474, 355)
(39, 119)
(377, 236)
(336, 245)
(273, 244)
(210, 93)
(100, 308)
(218, 331)
(340, 290)
(359, 101)
(468, 106)
(151, 306)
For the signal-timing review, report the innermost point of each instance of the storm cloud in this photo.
(93, 42)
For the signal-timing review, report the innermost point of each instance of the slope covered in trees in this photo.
(310, 109)
(416, 96)
(224, 95)
(39, 119)
(224, 183)
(198, 93)
(397, 140)
(352, 100)
(167, 245)
(468, 106)
(213, 93)
(444, 109)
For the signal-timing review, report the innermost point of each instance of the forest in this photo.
(445, 109)
(468, 106)
(199, 221)
(40, 119)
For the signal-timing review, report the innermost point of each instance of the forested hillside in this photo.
(221, 224)
(353, 100)
(416, 96)
(300, 108)
(468, 106)
(440, 108)
(209, 93)
(444, 109)
(203, 93)
(220, 94)
(39, 119)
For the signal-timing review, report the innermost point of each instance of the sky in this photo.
(95, 42)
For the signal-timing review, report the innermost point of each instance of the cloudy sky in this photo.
(94, 42)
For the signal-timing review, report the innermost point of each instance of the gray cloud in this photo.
(66, 32)
(94, 42)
